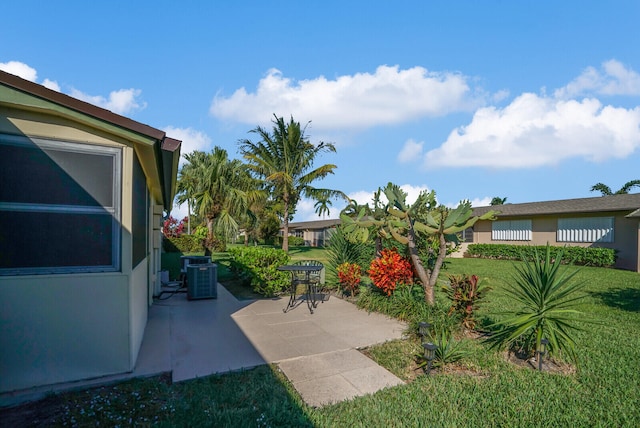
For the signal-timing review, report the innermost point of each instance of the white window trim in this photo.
(511, 230)
(586, 229)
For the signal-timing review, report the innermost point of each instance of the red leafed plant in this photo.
(389, 270)
(171, 228)
(465, 292)
(349, 275)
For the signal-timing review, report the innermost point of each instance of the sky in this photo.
(528, 100)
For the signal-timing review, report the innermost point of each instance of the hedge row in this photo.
(587, 256)
(259, 265)
(189, 244)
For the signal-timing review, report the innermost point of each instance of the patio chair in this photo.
(316, 279)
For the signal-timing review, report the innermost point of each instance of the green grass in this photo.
(603, 392)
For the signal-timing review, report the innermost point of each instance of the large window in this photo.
(585, 229)
(511, 230)
(59, 206)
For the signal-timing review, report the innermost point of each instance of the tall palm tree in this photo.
(606, 190)
(283, 161)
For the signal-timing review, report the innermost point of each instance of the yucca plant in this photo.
(448, 350)
(546, 296)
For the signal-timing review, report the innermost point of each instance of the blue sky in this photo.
(529, 100)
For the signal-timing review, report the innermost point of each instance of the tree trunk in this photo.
(442, 253)
(285, 227)
(429, 295)
(207, 246)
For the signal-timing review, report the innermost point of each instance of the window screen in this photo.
(59, 204)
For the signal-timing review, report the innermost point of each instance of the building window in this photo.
(59, 206)
(585, 229)
(511, 230)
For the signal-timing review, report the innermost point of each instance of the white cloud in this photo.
(412, 150)
(122, 101)
(191, 140)
(537, 130)
(388, 96)
(613, 79)
(51, 84)
(19, 69)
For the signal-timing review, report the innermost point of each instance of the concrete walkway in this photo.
(317, 352)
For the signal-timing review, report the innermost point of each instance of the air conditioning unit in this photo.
(192, 260)
(202, 281)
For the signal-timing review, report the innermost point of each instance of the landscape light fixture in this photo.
(423, 329)
(542, 352)
(429, 354)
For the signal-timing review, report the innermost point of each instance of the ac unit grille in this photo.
(202, 281)
(193, 260)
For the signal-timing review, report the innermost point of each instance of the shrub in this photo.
(259, 264)
(340, 250)
(584, 256)
(172, 228)
(294, 241)
(389, 270)
(190, 244)
(546, 298)
(448, 350)
(464, 292)
(349, 275)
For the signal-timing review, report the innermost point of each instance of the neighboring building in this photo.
(82, 192)
(315, 233)
(605, 221)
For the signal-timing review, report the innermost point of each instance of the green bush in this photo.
(294, 241)
(182, 244)
(584, 256)
(190, 244)
(259, 265)
(340, 250)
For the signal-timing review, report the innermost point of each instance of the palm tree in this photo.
(283, 161)
(498, 201)
(606, 190)
(222, 190)
(322, 206)
(188, 182)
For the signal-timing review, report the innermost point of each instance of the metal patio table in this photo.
(311, 287)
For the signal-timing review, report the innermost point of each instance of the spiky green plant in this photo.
(546, 295)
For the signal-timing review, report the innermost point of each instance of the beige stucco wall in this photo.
(543, 228)
(60, 328)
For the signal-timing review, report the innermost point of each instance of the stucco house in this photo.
(315, 233)
(606, 221)
(82, 192)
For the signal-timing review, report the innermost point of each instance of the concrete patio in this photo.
(317, 352)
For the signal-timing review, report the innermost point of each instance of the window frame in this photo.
(610, 234)
(114, 210)
(509, 231)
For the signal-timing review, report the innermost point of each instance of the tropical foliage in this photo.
(219, 189)
(283, 162)
(349, 276)
(544, 297)
(403, 223)
(389, 270)
(465, 293)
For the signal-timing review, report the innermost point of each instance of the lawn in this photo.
(603, 390)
